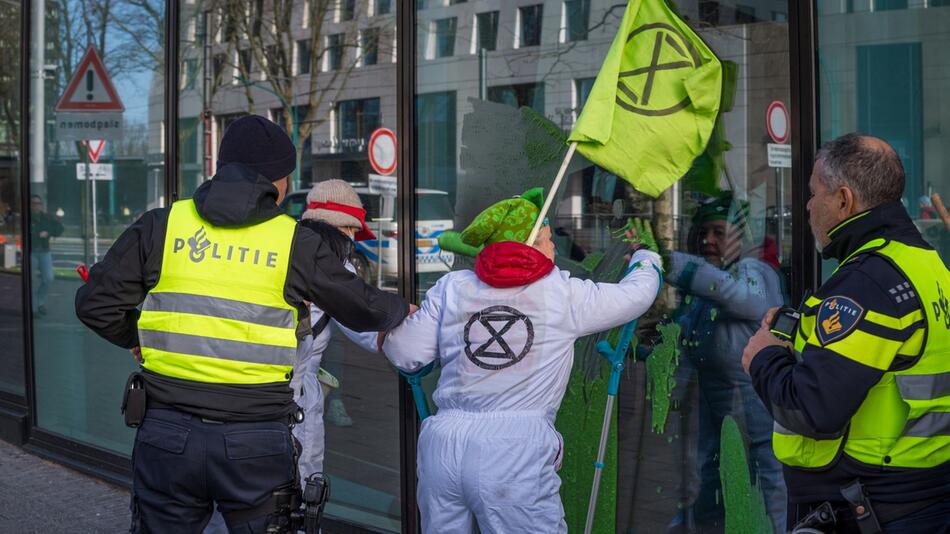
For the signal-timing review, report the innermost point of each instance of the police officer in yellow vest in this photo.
(223, 281)
(861, 402)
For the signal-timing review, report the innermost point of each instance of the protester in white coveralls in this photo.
(335, 212)
(504, 334)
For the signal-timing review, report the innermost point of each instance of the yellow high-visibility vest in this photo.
(905, 419)
(218, 312)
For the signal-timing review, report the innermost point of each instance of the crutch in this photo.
(616, 356)
(415, 382)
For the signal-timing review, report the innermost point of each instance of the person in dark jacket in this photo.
(861, 400)
(42, 228)
(223, 281)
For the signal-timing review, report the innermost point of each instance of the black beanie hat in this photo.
(258, 143)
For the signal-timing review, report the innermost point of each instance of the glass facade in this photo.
(79, 208)
(11, 209)
(881, 72)
(496, 88)
(729, 217)
(324, 71)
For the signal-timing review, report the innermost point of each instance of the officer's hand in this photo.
(413, 308)
(769, 315)
(380, 339)
(137, 354)
(763, 338)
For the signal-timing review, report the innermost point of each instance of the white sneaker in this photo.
(336, 414)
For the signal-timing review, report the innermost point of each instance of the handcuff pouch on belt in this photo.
(134, 401)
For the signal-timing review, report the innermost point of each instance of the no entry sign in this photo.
(776, 121)
(382, 151)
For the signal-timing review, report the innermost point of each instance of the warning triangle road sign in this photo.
(90, 89)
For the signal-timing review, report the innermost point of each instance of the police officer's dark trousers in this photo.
(183, 465)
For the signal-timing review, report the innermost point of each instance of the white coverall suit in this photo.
(309, 395)
(491, 453)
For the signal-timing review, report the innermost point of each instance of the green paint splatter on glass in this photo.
(744, 504)
(661, 368)
(713, 313)
(592, 260)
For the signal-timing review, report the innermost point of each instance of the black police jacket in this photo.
(819, 395)
(236, 196)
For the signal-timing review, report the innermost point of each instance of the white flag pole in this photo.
(552, 193)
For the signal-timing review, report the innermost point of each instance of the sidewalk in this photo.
(41, 496)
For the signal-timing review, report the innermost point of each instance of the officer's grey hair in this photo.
(867, 165)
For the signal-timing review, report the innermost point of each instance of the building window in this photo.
(383, 7)
(190, 73)
(334, 52)
(257, 19)
(582, 88)
(486, 24)
(347, 9)
(230, 26)
(303, 56)
(355, 122)
(369, 46)
(939, 3)
(779, 16)
(709, 13)
(889, 5)
(520, 95)
(530, 26)
(245, 62)
(577, 15)
(445, 37)
(218, 63)
(745, 14)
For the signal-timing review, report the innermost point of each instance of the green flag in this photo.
(655, 100)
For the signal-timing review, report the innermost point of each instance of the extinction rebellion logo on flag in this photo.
(199, 247)
(656, 88)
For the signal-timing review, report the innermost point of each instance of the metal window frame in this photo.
(405, 110)
(803, 50)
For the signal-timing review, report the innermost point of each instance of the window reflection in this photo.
(11, 246)
(77, 215)
(324, 70)
(875, 62)
(727, 225)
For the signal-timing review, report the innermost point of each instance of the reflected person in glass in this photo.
(727, 285)
(42, 227)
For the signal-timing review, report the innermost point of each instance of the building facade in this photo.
(481, 95)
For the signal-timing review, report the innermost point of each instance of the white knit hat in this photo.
(336, 203)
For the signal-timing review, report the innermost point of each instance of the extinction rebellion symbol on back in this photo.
(510, 336)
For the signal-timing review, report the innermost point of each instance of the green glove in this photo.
(640, 232)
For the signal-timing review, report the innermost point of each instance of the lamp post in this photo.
(293, 124)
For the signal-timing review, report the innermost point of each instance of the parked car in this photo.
(434, 215)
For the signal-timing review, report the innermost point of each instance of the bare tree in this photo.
(10, 99)
(259, 40)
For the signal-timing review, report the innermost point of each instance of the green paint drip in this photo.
(661, 368)
(744, 503)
